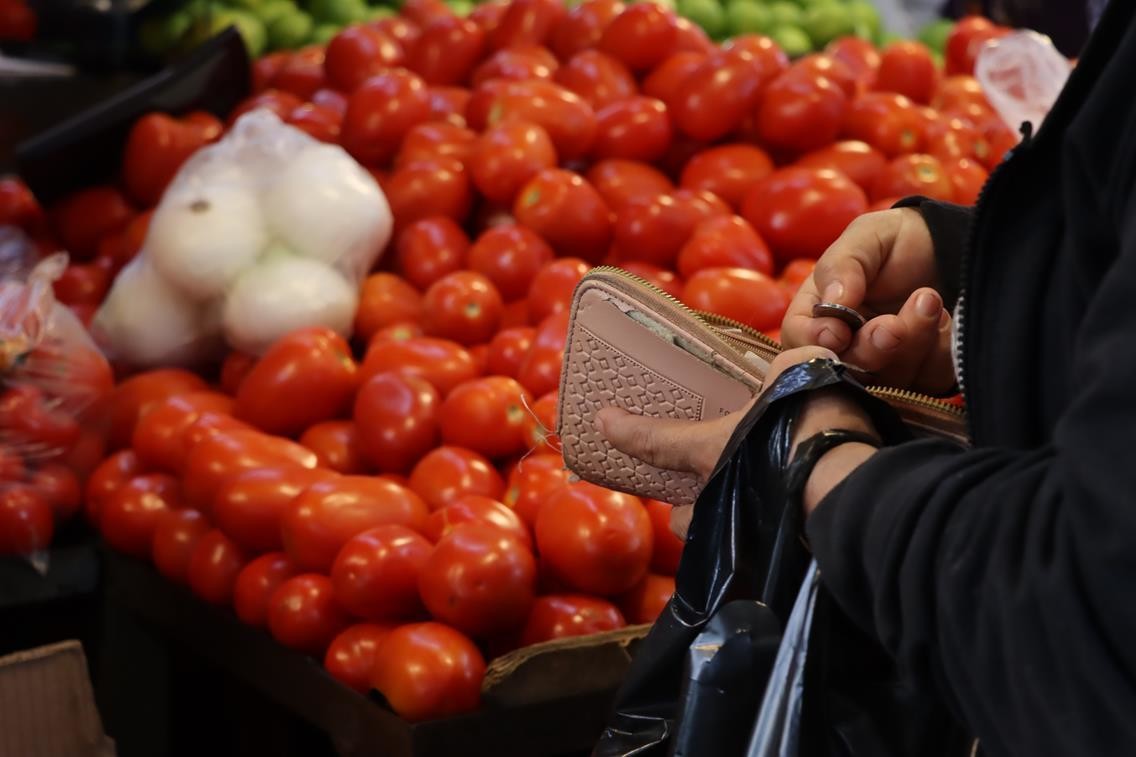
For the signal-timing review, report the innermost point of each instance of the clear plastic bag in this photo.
(1021, 75)
(264, 232)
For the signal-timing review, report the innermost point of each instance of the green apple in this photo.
(934, 35)
(338, 12)
(793, 40)
(324, 33)
(784, 13)
(866, 20)
(708, 14)
(824, 23)
(748, 17)
(290, 31)
(248, 26)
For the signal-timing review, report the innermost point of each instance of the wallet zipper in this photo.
(750, 339)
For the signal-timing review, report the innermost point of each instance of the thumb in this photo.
(686, 446)
(842, 276)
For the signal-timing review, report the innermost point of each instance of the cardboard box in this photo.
(47, 708)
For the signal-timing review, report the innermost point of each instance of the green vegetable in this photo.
(323, 33)
(250, 28)
(793, 40)
(748, 17)
(709, 14)
(337, 12)
(290, 31)
(824, 23)
(934, 35)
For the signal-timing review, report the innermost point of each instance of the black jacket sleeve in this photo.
(1005, 577)
(949, 225)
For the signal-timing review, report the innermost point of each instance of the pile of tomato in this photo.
(398, 504)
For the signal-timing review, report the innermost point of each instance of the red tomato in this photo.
(381, 112)
(510, 256)
(387, 300)
(447, 50)
(175, 537)
(540, 424)
(831, 68)
(225, 453)
(966, 40)
(447, 473)
(422, 12)
(301, 75)
(479, 579)
(463, 306)
(429, 188)
(306, 377)
(32, 420)
(668, 78)
(660, 277)
(399, 28)
(598, 78)
(18, 206)
(336, 444)
(559, 616)
(690, 37)
(213, 568)
(645, 602)
(1001, 140)
(593, 539)
(859, 56)
(635, 128)
(641, 37)
(799, 212)
(724, 242)
(442, 363)
(234, 369)
(356, 54)
(108, 478)
(317, 121)
(655, 231)
(959, 91)
(487, 416)
(448, 105)
(540, 370)
(567, 212)
(890, 123)
(583, 27)
(434, 140)
(621, 181)
(518, 63)
(568, 119)
(331, 100)
(26, 520)
(507, 156)
(59, 485)
(727, 171)
(396, 420)
(279, 102)
(480, 509)
(159, 437)
(86, 216)
(375, 574)
(796, 273)
(857, 160)
(139, 394)
(668, 547)
(952, 138)
(248, 506)
(907, 68)
(967, 179)
(303, 613)
(156, 148)
(911, 175)
(428, 670)
(481, 102)
(749, 297)
(508, 349)
(427, 250)
(552, 287)
(256, 583)
(127, 519)
(714, 99)
(351, 655)
(526, 22)
(532, 483)
(800, 112)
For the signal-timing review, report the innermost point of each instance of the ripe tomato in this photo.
(108, 478)
(396, 420)
(375, 574)
(667, 79)
(967, 179)
(508, 349)
(552, 287)
(655, 231)
(447, 50)
(568, 119)
(479, 579)
(749, 297)
(966, 40)
(86, 216)
(387, 300)
(225, 453)
(959, 91)
(422, 12)
(380, 112)
(621, 181)
(951, 138)
(127, 519)
(724, 242)
(583, 27)
(593, 539)
(646, 602)
(18, 206)
(635, 128)
(558, 616)
(796, 273)
(859, 56)
(510, 256)
(907, 68)
(727, 171)
(540, 370)
(427, 250)
(641, 37)
(597, 77)
(351, 655)
(234, 369)
(487, 416)
(567, 212)
(428, 670)
(434, 140)
(800, 111)
(32, 420)
(507, 156)
(317, 121)
(83, 283)
(139, 394)
(306, 377)
(175, 537)
(668, 547)
(660, 277)
(156, 148)
(714, 99)
(857, 160)
(248, 505)
(59, 485)
(540, 424)
(890, 123)
(518, 63)
(331, 100)
(532, 482)
(399, 28)
(303, 613)
(336, 445)
(301, 75)
(448, 105)
(356, 54)
(26, 520)
(911, 175)
(429, 188)
(799, 212)
(475, 508)
(447, 473)
(158, 438)
(481, 102)
(214, 565)
(828, 67)
(526, 22)
(463, 306)
(256, 583)
(442, 363)
(690, 37)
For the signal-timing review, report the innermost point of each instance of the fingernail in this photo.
(829, 340)
(833, 292)
(884, 339)
(927, 305)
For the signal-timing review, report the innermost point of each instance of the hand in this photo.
(883, 265)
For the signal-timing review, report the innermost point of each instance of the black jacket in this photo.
(1005, 575)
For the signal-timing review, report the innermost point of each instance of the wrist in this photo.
(832, 468)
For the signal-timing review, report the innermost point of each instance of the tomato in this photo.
(139, 394)
(666, 81)
(582, 27)
(727, 171)
(487, 416)
(714, 99)
(518, 63)
(668, 547)
(256, 583)
(796, 273)
(447, 473)
(914, 174)
(690, 37)
(428, 670)
(510, 256)
(559, 616)
(234, 369)
(857, 160)
(434, 140)
(447, 50)
(641, 36)
(593, 539)
(427, 250)
(635, 128)
(380, 113)
(660, 277)
(279, 102)
(532, 482)
(108, 478)
(888, 122)
(507, 156)
(966, 40)
(952, 138)
(475, 508)
(26, 520)
(448, 105)
(540, 424)
(598, 78)
(800, 112)
(646, 602)
(488, 15)
(749, 297)
(540, 370)
(508, 349)
(429, 188)
(967, 179)
(567, 212)
(156, 148)
(385, 299)
(1001, 140)
(526, 22)
(959, 91)
(399, 28)
(481, 102)
(724, 242)
(85, 217)
(479, 579)
(128, 517)
(621, 181)
(396, 420)
(463, 306)
(351, 655)
(655, 231)
(301, 75)
(59, 485)
(568, 119)
(442, 363)
(859, 56)
(799, 212)
(225, 453)
(33, 420)
(907, 68)
(12, 467)
(336, 445)
(306, 377)
(356, 54)
(303, 613)
(317, 121)
(248, 505)
(375, 574)
(422, 12)
(158, 438)
(18, 206)
(175, 537)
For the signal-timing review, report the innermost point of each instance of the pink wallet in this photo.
(634, 346)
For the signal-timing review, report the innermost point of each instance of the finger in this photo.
(688, 446)
(893, 347)
(937, 373)
(680, 520)
(799, 328)
(847, 268)
(789, 358)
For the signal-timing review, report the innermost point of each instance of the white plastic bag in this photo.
(264, 232)
(1021, 75)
